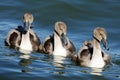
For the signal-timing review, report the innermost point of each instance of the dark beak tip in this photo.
(108, 49)
(31, 27)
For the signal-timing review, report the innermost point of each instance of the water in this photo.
(81, 17)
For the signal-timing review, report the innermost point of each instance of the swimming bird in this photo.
(58, 43)
(91, 54)
(23, 37)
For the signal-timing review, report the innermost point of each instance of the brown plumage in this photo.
(58, 43)
(15, 37)
(90, 54)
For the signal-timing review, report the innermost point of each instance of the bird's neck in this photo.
(58, 47)
(97, 59)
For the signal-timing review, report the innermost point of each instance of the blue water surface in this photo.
(81, 17)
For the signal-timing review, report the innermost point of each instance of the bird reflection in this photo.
(25, 56)
(25, 61)
(26, 52)
(59, 63)
(97, 71)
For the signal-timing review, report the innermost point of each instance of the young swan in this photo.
(59, 44)
(23, 37)
(91, 54)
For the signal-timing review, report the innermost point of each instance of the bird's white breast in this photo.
(97, 60)
(25, 42)
(59, 50)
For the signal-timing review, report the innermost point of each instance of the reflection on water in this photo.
(81, 16)
(97, 71)
(25, 56)
(59, 59)
(59, 63)
(25, 51)
(25, 62)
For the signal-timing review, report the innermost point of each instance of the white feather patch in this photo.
(25, 43)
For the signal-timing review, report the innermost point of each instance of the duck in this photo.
(91, 54)
(59, 44)
(23, 37)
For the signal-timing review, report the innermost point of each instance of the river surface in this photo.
(80, 16)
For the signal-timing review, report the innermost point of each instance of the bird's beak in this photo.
(64, 39)
(105, 44)
(27, 25)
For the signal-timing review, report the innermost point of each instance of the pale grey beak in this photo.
(105, 44)
(64, 39)
(27, 26)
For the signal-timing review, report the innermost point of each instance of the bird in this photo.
(58, 43)
(23, 37)
(91, 54)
